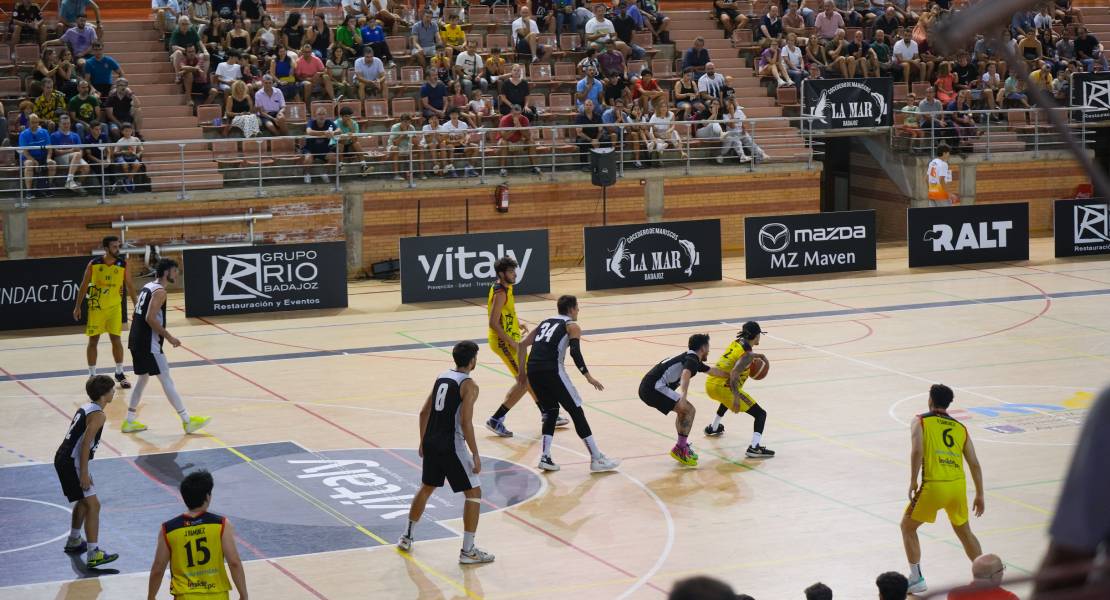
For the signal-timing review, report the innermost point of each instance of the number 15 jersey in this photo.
(197, 557)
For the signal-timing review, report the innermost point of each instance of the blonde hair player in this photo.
(730, 391)
(939, 444)
(505, 332)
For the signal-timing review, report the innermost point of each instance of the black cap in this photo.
(750, 330)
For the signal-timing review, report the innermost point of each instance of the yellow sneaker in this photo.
(685, 456)
(132, 427)
(195, 424)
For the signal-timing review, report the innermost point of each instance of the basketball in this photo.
(758, 369)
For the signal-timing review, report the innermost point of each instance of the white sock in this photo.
(119, 368)
(75, 533)
(174, 398)
(756, 438)
(591, 445)
(136, 396)
(547, 444)
(915, 572)
(468, 541)
(412, 525)
(716, 420)
(92, 370)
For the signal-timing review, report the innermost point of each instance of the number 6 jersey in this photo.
(943, 439)
(197, 557)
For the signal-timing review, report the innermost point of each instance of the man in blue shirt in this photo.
(101, 69)
(589, 88)
(433, 95)
(35, 139)
(69, 158)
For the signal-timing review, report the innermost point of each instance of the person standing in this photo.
(939, 445)
(730, 391)
(450, 451)
(195, 545)
(938, 175)
(102, 286)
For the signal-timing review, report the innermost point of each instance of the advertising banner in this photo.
(40, 292)
(1082, 227)
(848, 103)
(449, 267)
(1091, 91)
(807, 244)
(952, 235)
(652, 253)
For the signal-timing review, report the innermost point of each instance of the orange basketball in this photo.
(758, 369)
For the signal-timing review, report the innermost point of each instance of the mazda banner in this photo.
(807, 244)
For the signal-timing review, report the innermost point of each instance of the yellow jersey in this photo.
(197, 557)
(508, 311)
(453, 35)
(106, 283)
(943, 440)
(735, 350)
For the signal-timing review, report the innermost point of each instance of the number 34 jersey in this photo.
(197, 556)
(943, 439)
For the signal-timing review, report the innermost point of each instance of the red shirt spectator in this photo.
(507, 122)
(642, 86)
(307, 67)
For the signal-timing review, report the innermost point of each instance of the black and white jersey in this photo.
(668, 373)
(142, 338)
(444, 428)
(550, 346)
(71, 445)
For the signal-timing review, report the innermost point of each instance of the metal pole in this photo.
(250, 225)
(260, 192)
(412, 171)
(755, 155)
(604, 205)
(809, 165)
(181, 151)
(932, 136)
(1036, 135)
(688, 150)
(482, 157)
(988, 157)
(338, 165)
(554, 134)
(620, 145)
(418, 217)
(22, 202)
(103, 178)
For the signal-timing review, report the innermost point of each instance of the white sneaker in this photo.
(72, 185)
(325, 177)
(546, 464)
(398, 178)
(503, 173)
(308, 178)
(603, 463)
(720, 160)
(917, 587)
(745, 158)
(474, 556)
(405, 543)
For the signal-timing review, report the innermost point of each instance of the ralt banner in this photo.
(848, 103)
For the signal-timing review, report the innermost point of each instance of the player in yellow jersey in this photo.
(195, 545)
(939, 445)
(102, 285)
(505, 332)
(730, 391)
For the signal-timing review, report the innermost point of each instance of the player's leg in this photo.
(923, 508)
(95, 556)
(971, 543)
(684, 421)
(117, 347)
(90, 349)
(755, 450)
(572, 403)
(190, 424)
(958, 517)
(131, 424)
(549, 408)
(419, 502)
(471, 554)
(717, 389)
(75, 544)
(912, 544)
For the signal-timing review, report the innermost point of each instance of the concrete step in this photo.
(131, 35)
(132, 67)
(179, 122)
(177, 133)
(159, 155)
(995, 146)
(203, 181)
(171, 99)
(162, 112)
(193, 166)
(157, 89)
(113, 47)
(131, 57)
(112, 26)
(137, 79)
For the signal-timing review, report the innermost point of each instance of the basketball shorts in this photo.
(68, 476)
(104, 320)
(662, 399)
(149, 363)
(717, 389)
(452, 464)
(553, 389)
(507, 355)
(936, 495)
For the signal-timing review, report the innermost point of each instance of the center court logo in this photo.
(774, 237)
(652, 262)
(1092, 223)
(254, 275)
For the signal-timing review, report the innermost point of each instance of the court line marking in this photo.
(44, 503)
(19, 377)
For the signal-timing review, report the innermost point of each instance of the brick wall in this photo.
(869, 188)
(1037, 182)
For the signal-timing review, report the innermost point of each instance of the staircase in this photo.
(166, 116)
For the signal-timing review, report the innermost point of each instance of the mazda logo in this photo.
(774, 237)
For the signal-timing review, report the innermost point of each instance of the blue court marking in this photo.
(606, 330)
(287, 507)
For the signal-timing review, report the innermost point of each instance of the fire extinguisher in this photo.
(501, 198)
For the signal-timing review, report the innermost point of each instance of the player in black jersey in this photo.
(446, 434)
(658, 390)
(71, 461)
(548, 378)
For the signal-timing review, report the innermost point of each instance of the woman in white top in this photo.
(662, 133)
(265, 37)
(792, 61)
(735, 138)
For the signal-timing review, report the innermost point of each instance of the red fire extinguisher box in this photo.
(501, 198)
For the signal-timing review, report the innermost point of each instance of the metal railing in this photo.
(988, 131)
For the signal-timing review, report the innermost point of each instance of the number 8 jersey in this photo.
(943, 439)
(197, 557)
(444, 432)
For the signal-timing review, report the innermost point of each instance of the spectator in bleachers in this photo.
(128, 156)
(1063, 53)
(818, 591)
(317, 148)
(68, 158)
(587, 88)
(686, 93)
(373, 35)
(888, 22)
(1042, 77)
(1013, 92)
(828, 22)
(847, 11)
(945, 84)
(83, 107)
(703, 120)
(224, 11)
(986, 583)
(239, 111)
(1089, 51)
(433, 96)
(186, 36)
(565, 19)
(265, 37)
(859, 52)
(769, 63)
(200, 13)
(425, 38)
(730, 18)
(252, 11)
(867, 11)
(839, 59)
(50, 105)
(380, 10)
(66, 76)
(442, 66)
(312, 75)
(453, 36)
(659, 23)
(907, 58)
(293, 31)
(348, 37)
(342, 80)
(1030, 49)
(282, 67)
(346, 140)
(50, 67)
(101, 69)
(712, 83)
(468, 68)
(36, 141)
(456, 138)
(616, 88)
(494, 68)
(792, 60)
(431, 143)
(228, 72)
(541, 12)
(526, 35)
(26, 21)
(737, 136)
(238, 37)
(589, 133)
(166, 13)
(459, 100)
(515, 138)
(662, 133)
(194, 79)
(793, 21)
(1021, 24)
(79, 40)
(399, 147)
(963, 121)
(70, 11)
(815, 54)
(1067, 13)
(931, 117)
(629, 136)
(269, 104)
(319, 36)
(600, 32)
(770, 26)
(97, 155)
(611, 61)
(1061, 86)
(646, 89)
(354, 8)
(369, 74)
(967, 74)
(588, 61)
(514, 90)
(121, 106)
(627, 19)
(892, 586)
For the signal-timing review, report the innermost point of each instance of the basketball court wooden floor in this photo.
(309, 407)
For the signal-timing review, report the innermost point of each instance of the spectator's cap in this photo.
(267, 77)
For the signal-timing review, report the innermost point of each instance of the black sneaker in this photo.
(759, 452)
(123, 382)
(714, 432)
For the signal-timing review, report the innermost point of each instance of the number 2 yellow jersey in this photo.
(943, 440)
(735, 350)
(197, 556)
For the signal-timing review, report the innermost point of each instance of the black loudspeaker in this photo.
(603, 167)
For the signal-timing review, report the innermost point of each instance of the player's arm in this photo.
(425, 413)
(469, 392)
(85, 280)
(94, 423)
(522, 356)
(917, 454)
(715, 372)
(499, 298)
(131, 293)
(684, 381)
(152, 312)
(158, 567)
(234, 563)
(738, 369)
(574, 332)
(976, 476)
